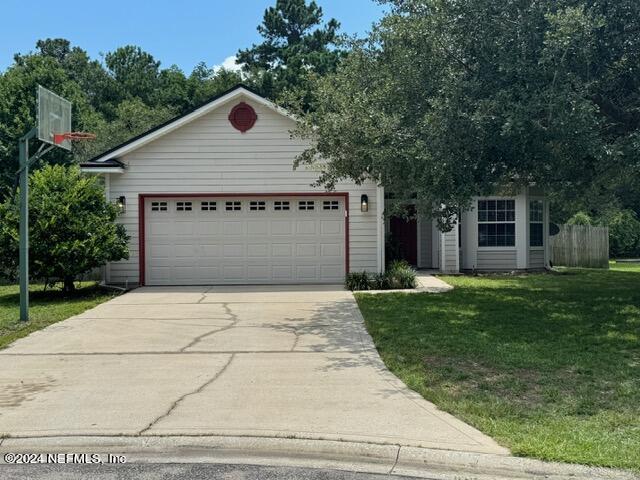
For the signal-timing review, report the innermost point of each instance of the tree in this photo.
(624, 234)
(205, 83)
(100, 89)
(447, 100)
(132, 117)
(135, 70)
(580, 218)
(72, 229)
(296, 45)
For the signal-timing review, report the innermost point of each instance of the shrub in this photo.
(624, 234)
(399, 275)
(399, 265)
(380, 281)
(72, 229)
(358, 281)
(580, 218)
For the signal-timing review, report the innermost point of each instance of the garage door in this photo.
(253, 240)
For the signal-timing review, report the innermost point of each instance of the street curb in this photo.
(350, 456)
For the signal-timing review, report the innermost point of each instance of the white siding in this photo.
(209, 156)
(536, 258)
(451, 251)
(490, 259)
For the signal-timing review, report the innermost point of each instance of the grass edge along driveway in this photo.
(547, 364)
(46, 308)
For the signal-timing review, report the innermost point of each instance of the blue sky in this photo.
(181, 32)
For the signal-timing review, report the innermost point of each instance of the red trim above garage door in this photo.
(142, 197)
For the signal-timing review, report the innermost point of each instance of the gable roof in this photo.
(187, 117)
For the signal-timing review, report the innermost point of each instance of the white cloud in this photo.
(228, 63)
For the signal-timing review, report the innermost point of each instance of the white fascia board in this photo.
(102, 170)
(125, 149)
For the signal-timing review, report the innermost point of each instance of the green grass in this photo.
(547, 364)
(46, 308)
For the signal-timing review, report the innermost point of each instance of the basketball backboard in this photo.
(54, 117)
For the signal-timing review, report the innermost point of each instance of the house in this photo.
(211, 197)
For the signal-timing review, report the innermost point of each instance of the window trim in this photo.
(514, 222)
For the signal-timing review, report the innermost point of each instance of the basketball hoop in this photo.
(58, 138)
(53, 115)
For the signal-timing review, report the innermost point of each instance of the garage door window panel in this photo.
(306, 205)
(184, 206)
(257, 205)
(233, 206)
(331, 205)
(158, 206)
(281, 205)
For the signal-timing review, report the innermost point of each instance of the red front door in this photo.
(404, 240)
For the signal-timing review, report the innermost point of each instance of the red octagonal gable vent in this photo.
(242, 117)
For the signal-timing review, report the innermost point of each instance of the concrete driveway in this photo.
(293, 362)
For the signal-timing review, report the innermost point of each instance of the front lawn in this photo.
(547, 364)
(46, 308)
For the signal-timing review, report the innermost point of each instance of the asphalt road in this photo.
(193, 471)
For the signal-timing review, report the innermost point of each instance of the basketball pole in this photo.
(24, 224)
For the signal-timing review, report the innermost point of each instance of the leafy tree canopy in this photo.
(446, 100)
(296, 45)
(135, 71)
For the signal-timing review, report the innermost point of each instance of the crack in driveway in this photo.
(204, 294)
(175, 404)
(234, 321)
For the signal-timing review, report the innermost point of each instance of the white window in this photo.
(233, 206)
(158, 206)
(280, 205)
(306, 205)
(208, 206)
(183, 206)
(496, 223)
(256, 205)
(536, 223)
(330, 205)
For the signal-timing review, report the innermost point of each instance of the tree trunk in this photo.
(68, 286)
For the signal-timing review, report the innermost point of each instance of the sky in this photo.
(180, 32)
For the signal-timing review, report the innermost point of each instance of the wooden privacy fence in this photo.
(581, 246)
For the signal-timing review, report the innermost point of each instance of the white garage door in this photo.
(201, 241)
